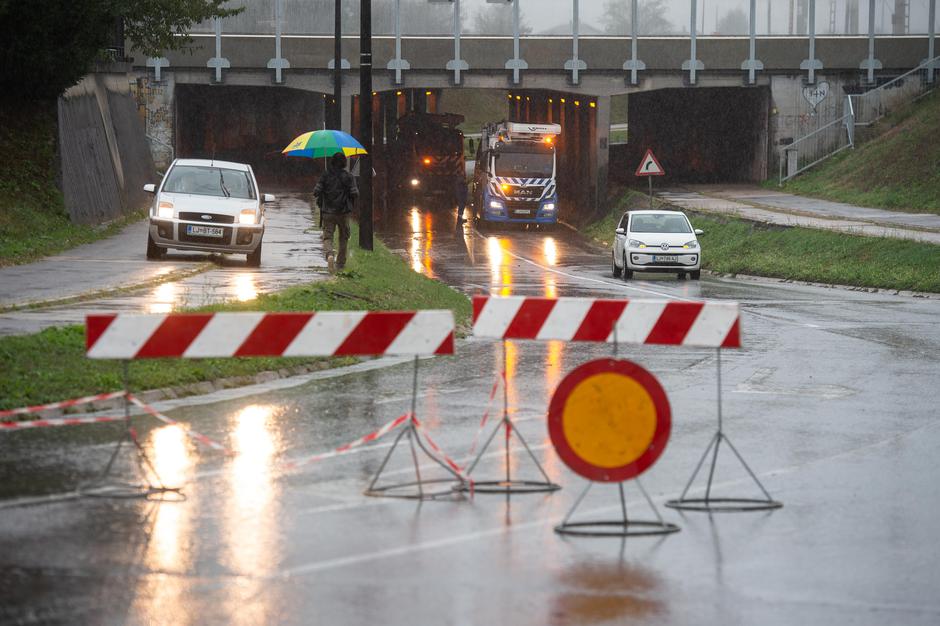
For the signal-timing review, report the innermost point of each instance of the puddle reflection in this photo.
(500, 269)
(164, 298)
(607, 593)
(422, 239)
(252, 541)
(550, 252)
(245, 289)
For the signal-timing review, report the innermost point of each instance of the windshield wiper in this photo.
(222, 185)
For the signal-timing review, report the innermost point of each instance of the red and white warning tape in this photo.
(458, 470)
(58, 421)
(486, 413)
(206, 441)
(61, 405)
(384, 430)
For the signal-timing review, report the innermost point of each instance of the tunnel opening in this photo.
(703, 135)
(249, 125)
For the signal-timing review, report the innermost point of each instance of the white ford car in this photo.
(656, 241)
(210, 206)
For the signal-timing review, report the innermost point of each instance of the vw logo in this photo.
(664, 246)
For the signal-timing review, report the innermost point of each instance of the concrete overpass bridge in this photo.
(715, 108)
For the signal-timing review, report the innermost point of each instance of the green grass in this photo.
(51, 365)
(33, 220)
(898, 168)
(736, 246)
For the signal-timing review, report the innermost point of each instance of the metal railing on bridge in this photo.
(859, 110)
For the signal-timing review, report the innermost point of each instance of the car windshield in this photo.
(525, 164)
(209, 181)
(659, 224)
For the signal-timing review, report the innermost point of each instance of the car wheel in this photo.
(616, 271)
(154, 252)
(680, 275)
(254, 258)
(627, 273)
(697, 274)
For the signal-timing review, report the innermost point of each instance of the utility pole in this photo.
(365, 124)
(335, 122)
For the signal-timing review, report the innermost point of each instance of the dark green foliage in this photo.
(49, 45)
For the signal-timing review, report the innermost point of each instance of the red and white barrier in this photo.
(39, 408)
(328, 333)
(700, 324)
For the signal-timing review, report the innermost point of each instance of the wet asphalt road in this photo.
(832, 401)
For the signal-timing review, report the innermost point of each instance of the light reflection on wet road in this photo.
(253, 544)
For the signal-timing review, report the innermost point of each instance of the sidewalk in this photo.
(775, 207)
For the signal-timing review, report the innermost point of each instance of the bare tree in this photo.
(650, 17)
(496, 19)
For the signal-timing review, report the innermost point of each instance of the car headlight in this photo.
(692, 245)
(247, 216)
(495, 204)
(165, 210)
(549, 207)
(636, 243)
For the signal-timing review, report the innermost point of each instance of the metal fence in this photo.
(876, 103)
(858, 110)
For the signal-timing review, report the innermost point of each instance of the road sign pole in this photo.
(650, 179)
(365, 124)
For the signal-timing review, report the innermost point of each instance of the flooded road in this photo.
(832, 401)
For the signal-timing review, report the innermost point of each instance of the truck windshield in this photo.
(524, 164)
(209, 181)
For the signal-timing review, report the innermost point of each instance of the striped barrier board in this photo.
(328, 333)
(676, 323)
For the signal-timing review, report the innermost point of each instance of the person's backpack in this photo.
(336, 196)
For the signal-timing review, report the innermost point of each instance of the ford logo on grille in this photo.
(664, 246)
(206, 217)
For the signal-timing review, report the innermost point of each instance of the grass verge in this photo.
(33, 219)
(898, 168)
(51, 365)
(735, 246)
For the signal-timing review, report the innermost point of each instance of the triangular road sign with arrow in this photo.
(649, 166)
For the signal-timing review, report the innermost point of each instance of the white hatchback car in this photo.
(656, 241)
(210, 206)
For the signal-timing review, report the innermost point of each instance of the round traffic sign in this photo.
(609, 420)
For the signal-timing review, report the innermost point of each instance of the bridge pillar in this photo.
(601, 141)
(345, 113)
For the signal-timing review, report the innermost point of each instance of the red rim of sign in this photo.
(642, 463)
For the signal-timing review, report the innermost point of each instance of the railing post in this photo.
(930, 40)
(634, 65)
(752, 65)
(871, 63)
(693, 65)
(575, 64)
(515, 63)
(812, 63)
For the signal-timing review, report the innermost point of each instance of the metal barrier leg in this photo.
(150, 485)
(415, 490)
(623, 527)
(729, 505)
(509, 485)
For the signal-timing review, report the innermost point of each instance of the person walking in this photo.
(335, 192)
(460, 192)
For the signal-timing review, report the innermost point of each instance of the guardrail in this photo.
(859, 110)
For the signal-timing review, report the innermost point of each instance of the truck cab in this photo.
(515, 173)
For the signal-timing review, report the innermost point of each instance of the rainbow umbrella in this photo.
(323, 143)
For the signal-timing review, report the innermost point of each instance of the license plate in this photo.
(522, 211)
(665, 258)
(203, 231)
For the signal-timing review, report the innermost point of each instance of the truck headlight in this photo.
(247, 216)
(549, 207)
(495, 204)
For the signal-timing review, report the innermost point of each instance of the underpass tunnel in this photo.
(249, 125)
(703, 135)
(581, 148)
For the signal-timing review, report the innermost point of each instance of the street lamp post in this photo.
(336, 121)
(365, 124)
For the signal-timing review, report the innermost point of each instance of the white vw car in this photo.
(210, 206)
(656, 241)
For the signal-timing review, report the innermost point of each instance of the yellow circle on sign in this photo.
(609, 420)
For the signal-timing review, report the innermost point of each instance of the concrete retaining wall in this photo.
(104, 153)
